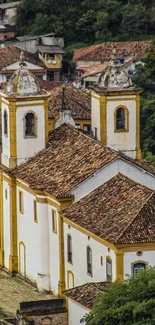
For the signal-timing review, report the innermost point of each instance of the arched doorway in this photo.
(70, 279)
(22, 259)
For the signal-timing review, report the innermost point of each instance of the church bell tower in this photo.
(24, 114)
(115, 111)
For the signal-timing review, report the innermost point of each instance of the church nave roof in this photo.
(70, 157)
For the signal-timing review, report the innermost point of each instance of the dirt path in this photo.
(14, 290)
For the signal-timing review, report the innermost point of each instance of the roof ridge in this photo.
(136, 162)
(85, 284)
(136, 216)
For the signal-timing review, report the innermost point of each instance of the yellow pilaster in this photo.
(1, 222)
(13, 144)
(46, 121)
(103, 119)
(138, 150)
(119, 265)
(61, 284)
(13, 258)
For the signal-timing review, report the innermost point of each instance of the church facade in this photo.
(74, 208)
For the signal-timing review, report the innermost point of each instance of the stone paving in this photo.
(14, 290)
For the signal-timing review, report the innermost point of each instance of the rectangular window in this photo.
(78, 126)
(21, 202)
(101, 260)
(86, 127)
(109, 269)
(89, 260)
(54, 221)
(96, 133)
(138, 267)
(35, 211)
(69, 249)
(6, 194)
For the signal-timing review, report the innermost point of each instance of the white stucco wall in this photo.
(28, 147)
(33, 235)
(131, 257)
(95, 116)
(86, 63)
(53, 251)
(75, 312)
(2, 78)
(6, 218)
(137, 174)
(80, 242)
(41, 243)
(30, 66)
(97, 179)
(119, 165)
(5, 138)
(124, 141)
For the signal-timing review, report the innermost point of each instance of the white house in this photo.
(10, 59)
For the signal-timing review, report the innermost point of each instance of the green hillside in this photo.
(89, 21)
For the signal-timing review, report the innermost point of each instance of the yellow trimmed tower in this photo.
(115, 111)
(24, 113)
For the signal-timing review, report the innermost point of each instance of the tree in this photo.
(128, 303)
(133, 20)
(85, 20)
(145, 78)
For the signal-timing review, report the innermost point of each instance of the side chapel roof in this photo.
(86, 294)
(120, 211)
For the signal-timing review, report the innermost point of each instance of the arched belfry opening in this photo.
(30, 125)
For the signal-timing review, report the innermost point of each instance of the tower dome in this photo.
(23, 82)
(115, 78)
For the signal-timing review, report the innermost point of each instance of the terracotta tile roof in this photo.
(49, 85)
(94, 69)
(11, 54)
(119, 211)
(78, 101)
(86, 294)
(103, 51)
(79, 53)
(70, 157)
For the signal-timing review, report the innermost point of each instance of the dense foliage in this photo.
(145, 79)
(88, 21)
(128, 303)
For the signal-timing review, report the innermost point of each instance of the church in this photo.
(75, 208)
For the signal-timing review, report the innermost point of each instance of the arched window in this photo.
(89, 260)
(69, 249)
(121, 119)
(30, 125)
(109, 269)
(137, 268)
(5, 123)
